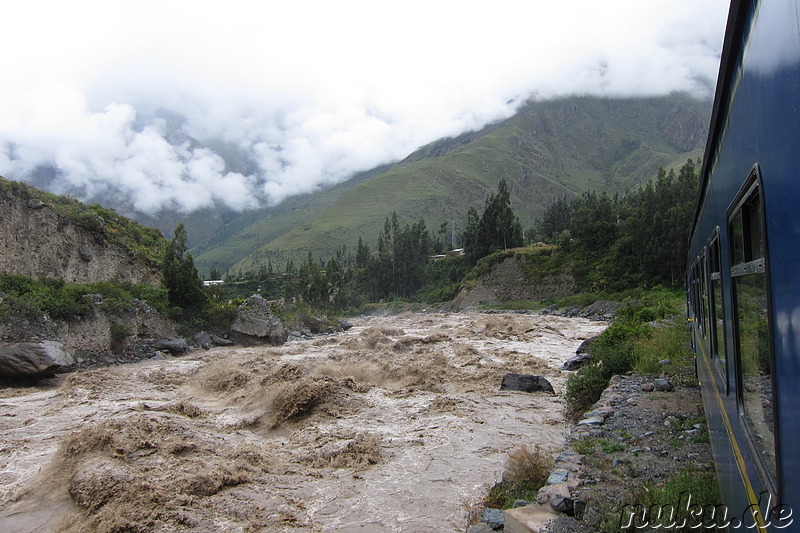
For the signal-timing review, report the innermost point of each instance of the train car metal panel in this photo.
(750, 207)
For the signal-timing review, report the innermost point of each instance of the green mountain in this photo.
(546, 151)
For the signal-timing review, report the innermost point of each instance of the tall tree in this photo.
(183, 284)
(498, 228)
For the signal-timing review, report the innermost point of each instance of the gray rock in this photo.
(203, 340)
(578, 508)
(662, 385)
(601, 310)
(665, 362)
(345, 325)
(574, 363)
(175, 346)
(569, 456)
(493, 518)
(220, 341)
(526, 383)
(563, 505)
(255, 323)
(480, 528)
(33, 359)
(557, 476)
(586, 346)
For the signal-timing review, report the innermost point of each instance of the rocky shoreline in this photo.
(639, 433)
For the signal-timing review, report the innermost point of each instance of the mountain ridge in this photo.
(547, 150)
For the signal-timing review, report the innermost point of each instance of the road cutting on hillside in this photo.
(397, 424)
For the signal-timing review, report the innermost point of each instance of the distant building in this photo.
(213, 282)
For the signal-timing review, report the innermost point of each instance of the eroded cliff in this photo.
(43, 235)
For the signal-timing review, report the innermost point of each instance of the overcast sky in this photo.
(307, 91)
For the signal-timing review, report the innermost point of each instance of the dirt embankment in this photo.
(395, 425)
(38, 241)
(509, 281)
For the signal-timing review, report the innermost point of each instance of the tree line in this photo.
(400, 265)
(638, 239)
(607, 242)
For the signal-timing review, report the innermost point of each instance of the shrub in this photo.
(584, 388)
(527, 470)
(119, 333)
(614, 353)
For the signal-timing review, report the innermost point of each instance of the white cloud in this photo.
(307, 91)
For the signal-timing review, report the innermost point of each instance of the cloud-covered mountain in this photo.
(545, 151)
(177, 107)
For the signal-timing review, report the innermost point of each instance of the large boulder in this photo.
(175, 346)
(526, 383)
(33, 359)
(255, 323)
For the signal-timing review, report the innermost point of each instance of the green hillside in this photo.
(547, 150)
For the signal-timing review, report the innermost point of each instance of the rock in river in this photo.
(33, 359)
(526, 383)
(255, 323)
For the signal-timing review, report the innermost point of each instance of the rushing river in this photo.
(397, 424)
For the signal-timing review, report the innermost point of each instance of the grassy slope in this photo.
(547, 150)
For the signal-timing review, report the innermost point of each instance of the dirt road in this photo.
(394, 425)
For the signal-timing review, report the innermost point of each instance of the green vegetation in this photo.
(547, 150)
(598, 255)
(687, 501)
(668, 342)
(497, 229)
(631, 343)
(400, 268)
(140, 242)
(184, 286)
(59, 300)
(635, 240)
(527, 470)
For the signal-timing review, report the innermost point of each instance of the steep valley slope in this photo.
(548, 150)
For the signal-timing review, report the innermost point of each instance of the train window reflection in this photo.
(753, 350)
(756, 363)
(717, 312)
(703, 297)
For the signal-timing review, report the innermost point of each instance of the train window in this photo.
(753, 349)
(703, 295)
(717, 312)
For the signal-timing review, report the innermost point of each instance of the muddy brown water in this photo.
(395, 425)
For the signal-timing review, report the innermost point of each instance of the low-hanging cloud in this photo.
(188, 105)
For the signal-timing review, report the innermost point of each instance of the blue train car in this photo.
(743, 275)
